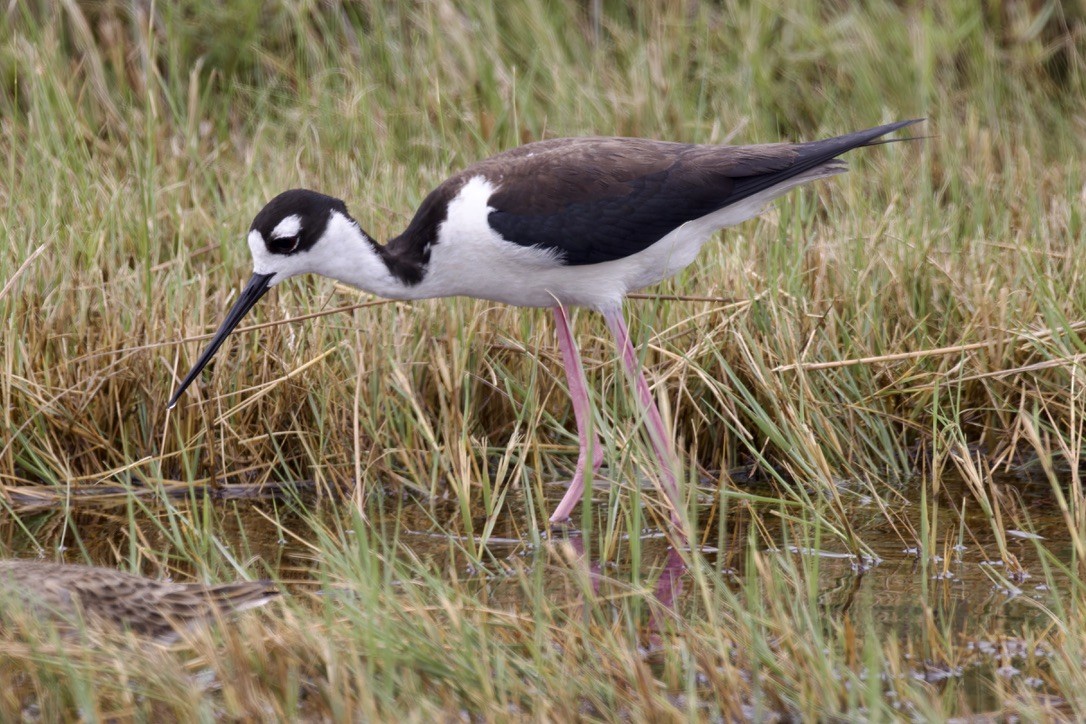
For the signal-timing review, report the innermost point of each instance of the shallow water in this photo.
(967, 587)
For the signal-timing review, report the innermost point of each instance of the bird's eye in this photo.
(284, 245)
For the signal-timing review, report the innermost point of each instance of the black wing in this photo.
(599, 199)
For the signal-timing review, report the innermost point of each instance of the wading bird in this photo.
(557, 223)
(104, 597)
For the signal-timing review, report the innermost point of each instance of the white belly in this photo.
(504, 272)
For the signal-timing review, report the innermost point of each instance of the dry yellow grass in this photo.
(920, 316)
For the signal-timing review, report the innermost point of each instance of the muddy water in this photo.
(968, 587)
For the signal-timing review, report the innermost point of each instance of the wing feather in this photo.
(599, 199)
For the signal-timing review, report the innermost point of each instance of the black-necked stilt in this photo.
(570, 221)
(114, 599)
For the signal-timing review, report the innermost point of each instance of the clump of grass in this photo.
(919, 316)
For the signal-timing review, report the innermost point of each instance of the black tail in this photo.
(817, 153)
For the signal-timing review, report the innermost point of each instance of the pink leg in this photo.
(658, 433)
(578, 393)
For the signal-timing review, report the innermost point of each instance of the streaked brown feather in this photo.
(111, 598)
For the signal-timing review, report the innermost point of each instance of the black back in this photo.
(593, 200)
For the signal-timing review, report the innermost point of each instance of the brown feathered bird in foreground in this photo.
(106, 598)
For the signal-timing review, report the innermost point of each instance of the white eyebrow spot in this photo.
(288, 227)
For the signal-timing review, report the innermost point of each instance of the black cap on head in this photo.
(294, 220)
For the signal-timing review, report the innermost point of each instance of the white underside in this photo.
(471, 259)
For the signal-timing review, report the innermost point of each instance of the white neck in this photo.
(347, 254)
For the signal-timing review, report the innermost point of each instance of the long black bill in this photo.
(256, 288)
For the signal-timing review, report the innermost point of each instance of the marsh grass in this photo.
(942, 279)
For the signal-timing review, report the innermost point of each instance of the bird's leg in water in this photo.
(582, 412)
(658, 432)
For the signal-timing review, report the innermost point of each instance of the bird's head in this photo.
(293, 234)
(298, 231)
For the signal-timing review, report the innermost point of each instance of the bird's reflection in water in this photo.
(669, 588)
(666, 591)
(594, 567)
